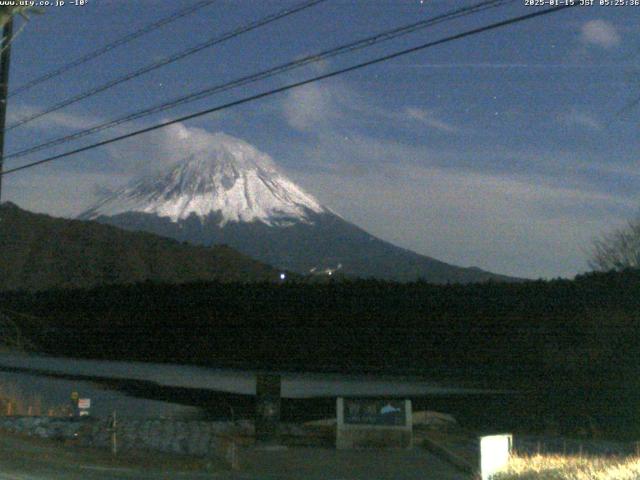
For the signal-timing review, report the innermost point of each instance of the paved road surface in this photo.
(27, 459)
(329, 464)
(35, 459)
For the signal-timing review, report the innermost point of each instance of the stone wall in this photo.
(196, 438)
(43, 427)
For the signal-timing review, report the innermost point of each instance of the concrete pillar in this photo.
(267, 422)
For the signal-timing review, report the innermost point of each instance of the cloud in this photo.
(338, 108)
(70, 187)
(515, 212)
(54, 119)
(578, 118)
(491, 221)
(138, 155)
(55, 192)
(428, 119)
(178, 141)
(309, 107)
(154, 151)
(600, 33)
(167, 144)
(357, 154)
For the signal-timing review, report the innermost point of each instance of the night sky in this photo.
(509, 150)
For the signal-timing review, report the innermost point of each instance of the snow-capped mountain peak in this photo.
(230, 178)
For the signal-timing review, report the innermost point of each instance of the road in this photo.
(331, 464)
(34, 459)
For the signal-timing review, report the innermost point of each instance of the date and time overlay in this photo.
(581, 3)
(526, 3)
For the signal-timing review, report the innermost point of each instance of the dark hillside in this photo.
(41, 252)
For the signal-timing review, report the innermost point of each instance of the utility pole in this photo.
(7, 34)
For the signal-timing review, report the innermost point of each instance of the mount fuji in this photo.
(234, 194)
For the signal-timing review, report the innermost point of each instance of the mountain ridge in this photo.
(41, 252)
(242, 183)
(234, 194)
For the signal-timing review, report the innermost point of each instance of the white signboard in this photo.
(84, 403)
(495, 451)
(373, 423)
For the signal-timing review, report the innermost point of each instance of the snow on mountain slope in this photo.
(230, 193)
(231, 178)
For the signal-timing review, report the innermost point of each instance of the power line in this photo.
(356, 45)
(291, 86)
(173, 58)
(110, 46)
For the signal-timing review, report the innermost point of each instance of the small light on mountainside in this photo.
(283, 276)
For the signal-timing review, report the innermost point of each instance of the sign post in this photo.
(113, 426)
(84, 404)
(74, 403)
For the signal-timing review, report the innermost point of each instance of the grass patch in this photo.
(562, 467)
(13, 401)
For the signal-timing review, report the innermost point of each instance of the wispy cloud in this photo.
(579, 118)
(600, 33)
(428, 119)
(73, 186)
(57, 193)
(310, 107)
(58, 119)
(154, 151)
(495, 220)
(179, 141)
(321, 108)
